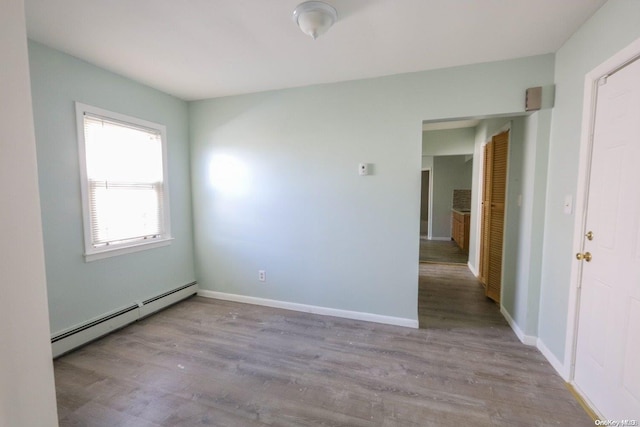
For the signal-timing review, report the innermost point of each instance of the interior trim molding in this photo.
(534, 341)
(473, 269)
(584, 402)
(553, 360)
(524, 339)
(444, 239)
(314, 309)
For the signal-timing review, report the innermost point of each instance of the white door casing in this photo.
(607, 345)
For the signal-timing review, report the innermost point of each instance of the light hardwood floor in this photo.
(207, 362)
(441, 251)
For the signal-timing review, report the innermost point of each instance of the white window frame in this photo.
(91, 252)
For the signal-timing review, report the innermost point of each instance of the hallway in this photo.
(442, 251)
(485, 358)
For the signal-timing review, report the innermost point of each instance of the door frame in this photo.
(617, 61)
(429, 202)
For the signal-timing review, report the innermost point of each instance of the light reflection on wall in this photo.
(229, 175)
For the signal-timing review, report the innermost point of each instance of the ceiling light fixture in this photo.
(315, 17)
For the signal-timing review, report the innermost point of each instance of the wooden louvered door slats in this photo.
(486, 213)
(496, 153)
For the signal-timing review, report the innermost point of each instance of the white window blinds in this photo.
(124, 181)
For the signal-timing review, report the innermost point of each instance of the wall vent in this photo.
(533, 99)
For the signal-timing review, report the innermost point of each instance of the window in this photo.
(124, 185)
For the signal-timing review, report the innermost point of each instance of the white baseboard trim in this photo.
(538, 343)
(325, 311)
(525, 339)
(590, 407)
(553, 360)
(473, 270)
(447, 239)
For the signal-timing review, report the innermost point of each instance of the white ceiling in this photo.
(197, 49)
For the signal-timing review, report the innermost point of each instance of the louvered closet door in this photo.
(486, 212)
(500, 151)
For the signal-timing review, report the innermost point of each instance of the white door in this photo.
(607, 364)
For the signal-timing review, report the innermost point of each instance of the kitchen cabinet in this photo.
(460, 229)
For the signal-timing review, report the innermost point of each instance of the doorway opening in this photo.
(447, 240)
(425, 183)
(454, 153)
(448, 152)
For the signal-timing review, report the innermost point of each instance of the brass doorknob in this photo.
(589, 235)
(585, 256)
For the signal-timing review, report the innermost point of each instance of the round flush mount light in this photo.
(315, 17)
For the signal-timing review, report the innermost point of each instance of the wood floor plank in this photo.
(209, 362)
(442, 251)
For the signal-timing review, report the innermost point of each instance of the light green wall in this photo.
(448, 142)
(512, 257)
(524, 228)
(325, 235)
(449, 173)
(79, 291)
(612, 28)
(534, 200)
(533, 175)
(427, 162)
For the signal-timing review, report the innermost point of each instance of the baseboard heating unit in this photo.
(66, 341)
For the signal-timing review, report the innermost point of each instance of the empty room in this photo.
(344, 213)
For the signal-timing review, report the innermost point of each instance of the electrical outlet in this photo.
(262, 275)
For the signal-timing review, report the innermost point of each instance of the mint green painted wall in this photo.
(534, 199)
(612, 28)
(445, 143)
(524, 226)
(512, 255)
(448, 142)
(79, 291)
(325, 235)
(535, 159)
(449, 173)
(427, 162)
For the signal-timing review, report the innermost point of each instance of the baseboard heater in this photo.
(79, 335)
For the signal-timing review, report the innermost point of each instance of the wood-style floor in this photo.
(442, 251)
(215, 363)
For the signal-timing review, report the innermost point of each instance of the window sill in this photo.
(121, 250)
